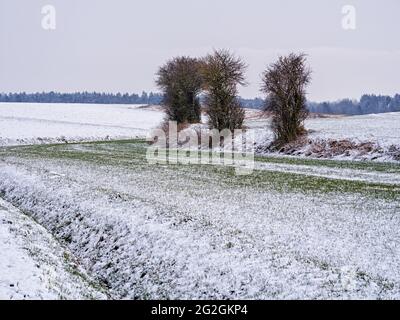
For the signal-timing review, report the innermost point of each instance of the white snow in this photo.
(391, 178)
(185, 232)
(28, 123)
(33, 265)
(383, 129)
(25, 123)
(179, 232)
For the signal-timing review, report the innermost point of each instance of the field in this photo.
(383, 129)
(46, 123)
(297, 228)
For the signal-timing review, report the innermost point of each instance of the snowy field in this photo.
(34, 265)
(173, 232)
(296, 228)
(39, 123)
(382, 129)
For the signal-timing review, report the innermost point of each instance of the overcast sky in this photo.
(111, 46)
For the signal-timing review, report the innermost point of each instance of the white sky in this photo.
(111, 46)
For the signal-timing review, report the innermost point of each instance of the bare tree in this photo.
(284, 83)
(181, 82)
(222, 73)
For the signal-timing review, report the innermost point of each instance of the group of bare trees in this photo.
(218, 75)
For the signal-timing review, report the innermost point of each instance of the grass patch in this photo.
(131, 154)
(342, 164)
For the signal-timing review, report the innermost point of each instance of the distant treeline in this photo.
(83, 97)
(102, 98)
(256, 103)
(367, 104)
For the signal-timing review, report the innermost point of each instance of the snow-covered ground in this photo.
(296, 229)
(383, 129)
(391, 178)
(173, 232)
(28, 123)
(33, 265)
(37, 123)
(367, 137)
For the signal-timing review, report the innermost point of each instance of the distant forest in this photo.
(83, 97)
(366, 105)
